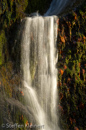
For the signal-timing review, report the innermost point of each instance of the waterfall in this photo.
(58, 7)
(38, 60)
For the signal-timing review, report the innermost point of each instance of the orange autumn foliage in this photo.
(22, 93)
(58, 30)
(62, 39)
(75, 17)
(69, 24)
(79, 64)
(85, 65)
(68, 79)
(61, 71)
(68, 90)
(76, 128)
(61, 108)
(83, 71)
(60, 51)
(59, 83)
(61, 96)
(26, 124)
(65, 67)
(75, 78)
(79, 39)
(65, 84)
(71, 121)
(84, 39)
(30, 124)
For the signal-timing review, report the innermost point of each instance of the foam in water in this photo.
(38, 60)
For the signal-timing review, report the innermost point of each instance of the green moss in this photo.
(33, 61)
(11, 11)
(2, 44)
(72, 82)
(33, 67)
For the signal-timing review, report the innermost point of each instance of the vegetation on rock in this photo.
(72, 69)
(71, 64)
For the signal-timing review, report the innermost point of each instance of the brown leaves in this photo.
(75, 17)
(68, 80)
(62, 39)
(61, 96)
(65, 67)
(84, 39)
(79, 39)
(60, 52)
(21, 117)
(61, 108)
(71, 120)
(85, 65)
(83, 71)
(68, 90)
(22, 93)
(30, 124)
(73, 80)
(26, 124)
(76, 128)
(79, 64)
(61, 71)
(69, 24)
(81, 105)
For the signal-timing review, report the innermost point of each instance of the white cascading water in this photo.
(58, 7)
(38, 60)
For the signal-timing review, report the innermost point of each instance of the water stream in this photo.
(38, 60)
(60, 7)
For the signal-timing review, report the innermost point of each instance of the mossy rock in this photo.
(38, 5)
(2, 45)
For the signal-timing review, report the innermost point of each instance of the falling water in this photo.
(59, 7)
(38, 61)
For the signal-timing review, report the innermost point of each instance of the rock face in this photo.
(72, 56)
(72, 69)
(10, 15)
(11, 12)
(41, 6)
(2, 47)
(34, 14)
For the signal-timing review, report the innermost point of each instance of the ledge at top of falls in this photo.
(39, 16)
